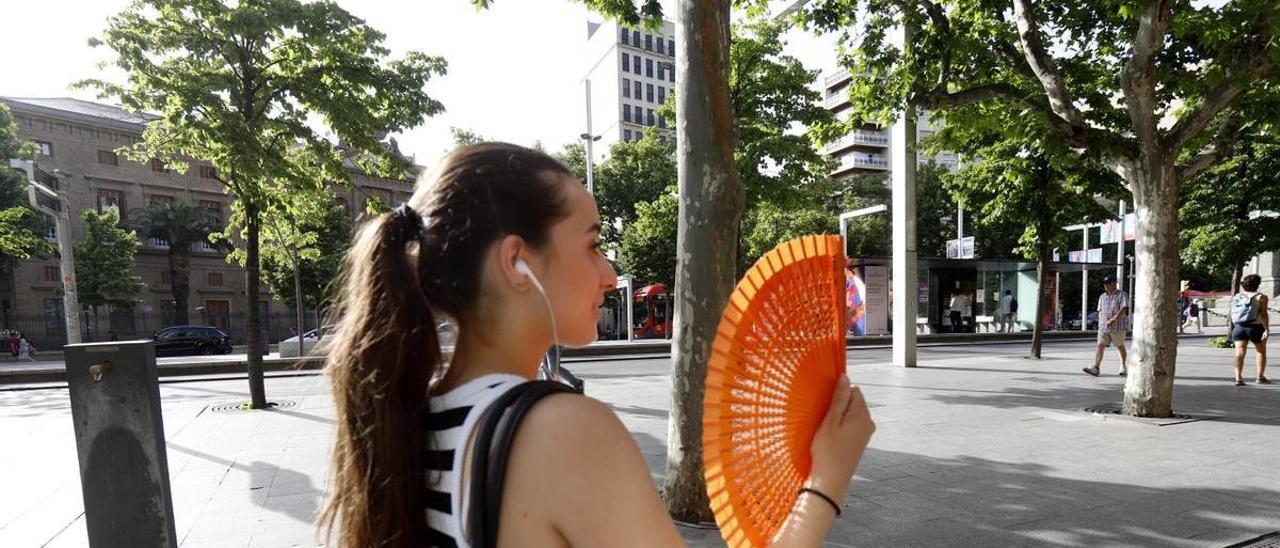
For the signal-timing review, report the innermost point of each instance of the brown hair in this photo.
(403, 270)
(1251, 282)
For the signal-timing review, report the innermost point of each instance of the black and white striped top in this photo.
(450, 422)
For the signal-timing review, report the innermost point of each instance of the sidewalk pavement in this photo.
(978, 446)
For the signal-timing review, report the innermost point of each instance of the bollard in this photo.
(124, 469)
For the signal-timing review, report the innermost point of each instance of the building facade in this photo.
(631, 73)
(865, 149)
(79, 139)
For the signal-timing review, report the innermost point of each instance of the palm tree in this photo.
(180, 225)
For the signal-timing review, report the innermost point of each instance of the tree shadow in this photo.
(1224, 403)
(901, 499)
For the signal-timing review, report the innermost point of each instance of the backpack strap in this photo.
(496, 432)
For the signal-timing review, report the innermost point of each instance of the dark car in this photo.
(190, 340)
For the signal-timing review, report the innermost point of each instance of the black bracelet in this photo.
(822, 496)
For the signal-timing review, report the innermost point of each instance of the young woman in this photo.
(1250, 323)
(575, 476)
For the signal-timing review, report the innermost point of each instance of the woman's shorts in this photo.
(1251, 332)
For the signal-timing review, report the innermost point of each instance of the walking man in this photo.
(1008, 309)
(1113, 307)
(958, 304)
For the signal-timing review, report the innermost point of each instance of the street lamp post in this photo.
(590, 138)
(846, 216)
(54, 205)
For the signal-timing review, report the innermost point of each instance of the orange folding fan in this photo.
(778, 351)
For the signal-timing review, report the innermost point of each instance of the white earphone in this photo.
(551, 370)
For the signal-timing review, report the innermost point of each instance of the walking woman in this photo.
(505, 242)
(1250, 323)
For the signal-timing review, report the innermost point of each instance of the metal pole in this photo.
(1084, 283)
(960, 226)
(299, 307)
(905, 271)
(62, 227)
(1120, 247)
(591, 183)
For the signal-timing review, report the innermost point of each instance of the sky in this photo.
(515, 70)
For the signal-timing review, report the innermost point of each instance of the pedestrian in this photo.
(1183, 303)
(1113, 308)
(1008, 311)
(13, 343)
(958, 304)
(26, 350)
(505, 242)
(1250, 323)
(1193, 314)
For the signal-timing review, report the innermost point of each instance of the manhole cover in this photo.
(236, 407)
(1269, 540)
(1112, 410)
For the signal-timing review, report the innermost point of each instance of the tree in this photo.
(463, 137)
(180, 225)
(307, 240)
(1099, 77)
(770, 92)
(1026, 182)
(22, 229)
(1228, 212)
(868, 235)
(771, 224)
(635, 172)
(649, 243)
(104, 262)
(248, 87)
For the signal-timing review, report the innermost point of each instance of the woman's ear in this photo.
(510, 249)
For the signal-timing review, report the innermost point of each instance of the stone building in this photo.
(78, 139)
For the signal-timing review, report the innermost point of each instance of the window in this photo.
(626, 37)
(661, 66)
(671, 74)
(218, 314)
(649, 117)
(637, 91)
(108, 158)
(648, 92)
(215, 278)
(213, 206)
(635, 64)
(626, 135)
(662, 95)
(626, 62)
(51, 274)
(208, 172)
(671, 47)
(635, 38)
(662, 43)
(648, 67)
(161, 199)
(626, 87)
(157, 165)
(53, 317)
(662, 122)
(46, 148)
(626, 113)
(648, 42)
(108, 199)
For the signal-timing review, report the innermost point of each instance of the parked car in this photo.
(191, 340)
(288, 348)
(1092, 325)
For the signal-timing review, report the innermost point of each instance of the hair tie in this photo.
(408, 225)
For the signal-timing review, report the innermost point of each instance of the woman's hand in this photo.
(840, 440)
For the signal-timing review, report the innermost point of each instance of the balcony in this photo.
(858, 137)
(836, 77)
(862, 160)
(836, 99)
(158, 243)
